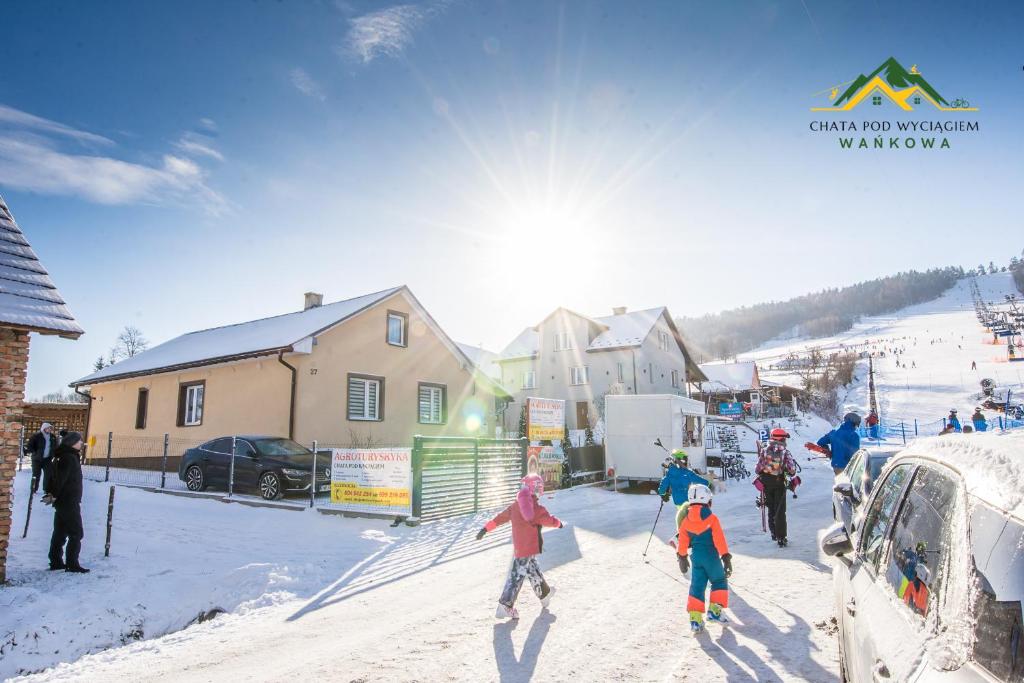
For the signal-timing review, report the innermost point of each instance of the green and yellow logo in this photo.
(906, 89)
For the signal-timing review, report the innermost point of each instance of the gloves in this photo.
(664, 497)
(48, 499)
(684, 563)
(480, 534)
(727, 562)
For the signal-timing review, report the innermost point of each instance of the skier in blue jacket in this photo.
(842, 442)
(954, 420)
(678, 478)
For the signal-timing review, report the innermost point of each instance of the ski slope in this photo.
(327, 598)
(941, 338)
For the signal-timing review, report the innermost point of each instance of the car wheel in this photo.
(195, 480)
(270, 486)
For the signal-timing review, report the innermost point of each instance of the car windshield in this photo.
(997, 544)
(280, 447)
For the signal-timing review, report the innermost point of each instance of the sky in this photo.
(182, 165)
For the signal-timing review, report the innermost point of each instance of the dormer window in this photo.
(398, 327)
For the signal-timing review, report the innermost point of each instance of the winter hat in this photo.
(71, 439)
(532, 485)
(43, 426)
(852, 418)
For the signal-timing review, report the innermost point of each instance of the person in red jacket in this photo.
(527, 516)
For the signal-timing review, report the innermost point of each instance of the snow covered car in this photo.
(929, 587)
(853, 485)
(271, 465)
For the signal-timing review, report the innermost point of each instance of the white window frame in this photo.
(403, 324)
(675, 378)
(579, 375)
(194, 394)
(365, 416)
(563, 341)
(529, 379)
(435, 400)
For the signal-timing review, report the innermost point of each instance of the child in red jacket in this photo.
(527, 516)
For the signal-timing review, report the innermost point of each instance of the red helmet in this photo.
(778, 434)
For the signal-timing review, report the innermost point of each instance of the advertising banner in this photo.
(730, 408)
(545, 419)
(548, 461)
(377, 480)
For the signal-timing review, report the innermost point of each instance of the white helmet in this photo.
(699, 493)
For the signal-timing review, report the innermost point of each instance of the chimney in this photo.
(313, 299)
(619, 310)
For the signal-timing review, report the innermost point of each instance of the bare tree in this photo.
(130, 343)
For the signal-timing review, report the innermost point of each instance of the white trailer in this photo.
(634, 422)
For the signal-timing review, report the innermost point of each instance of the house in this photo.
(581, 359)
(374, 370)
(29, 302)
(741, 383)
(485, 361)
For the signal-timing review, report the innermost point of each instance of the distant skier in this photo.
(701, 533)
(872, 423)
(974, 365)
(527, 516)
(677, 480)
(842, 442)
(979, 421)
(775, 465)
(953, 420)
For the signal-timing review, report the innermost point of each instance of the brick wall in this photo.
(13, 362)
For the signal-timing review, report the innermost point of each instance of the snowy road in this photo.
(419, 606)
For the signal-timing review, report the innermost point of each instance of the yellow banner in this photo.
(349, 492)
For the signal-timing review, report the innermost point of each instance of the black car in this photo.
(269, 464)
(853, 484)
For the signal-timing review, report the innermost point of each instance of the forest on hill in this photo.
(821, 314)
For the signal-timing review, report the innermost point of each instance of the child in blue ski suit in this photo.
(677, 479)
(701, 534)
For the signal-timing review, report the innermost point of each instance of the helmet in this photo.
(778, 434)
(680, 454)
(699, 493)
(852, 418)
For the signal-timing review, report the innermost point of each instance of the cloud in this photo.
(32, 159)
(194, 144)
(388, 31)
(305, 84)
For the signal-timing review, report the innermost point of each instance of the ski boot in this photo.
(506, 612)
(696, 622)
(783, 542)
(715, 614)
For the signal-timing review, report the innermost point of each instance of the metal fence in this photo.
(456, 475)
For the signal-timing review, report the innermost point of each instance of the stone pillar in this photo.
(13, 363)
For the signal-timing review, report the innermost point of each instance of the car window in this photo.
(921, 540)
(280, 447)
(855, 471)
(222, 445)
(879, 516)
(244, 449)
(876, 464)
(997, 545)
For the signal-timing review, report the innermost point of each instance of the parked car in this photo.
(853, 485)
(929, 586)
(271, 465)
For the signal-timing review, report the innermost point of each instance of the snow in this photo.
(626, 330)
(358, 600)
(728, 376)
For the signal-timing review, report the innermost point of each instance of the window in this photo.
(855, 471)
(876, 100)
(917, 100)
(650, 372)
(883, 507)
(190, 404)
(921, 540)
(140, 409)
(579, 375)
(563, 341)
(244, 449)
(620, 372)
(221, 445)
(530, 379)
(998, 549)
(432, 404)
(675, 378)
(663, 340)
(397, 328)
(365, 397)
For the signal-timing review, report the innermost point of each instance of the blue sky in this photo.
(189, 164)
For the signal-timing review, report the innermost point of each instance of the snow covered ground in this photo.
(941, 338)
(309, 595)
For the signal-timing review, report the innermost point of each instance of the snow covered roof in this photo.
(28, 298)
(729, 376)
(525, 345)
(483, 359)
(626, 330)
(235, 342)
(992, 464)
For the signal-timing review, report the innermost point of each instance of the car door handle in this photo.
(879, 672)
(851, 607)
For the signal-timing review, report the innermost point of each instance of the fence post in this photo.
(915, 426)
(110, 445)
(1001, 427)
(163, 463)
(312, 484)
(476, 475)
(231, 469)
(110, 517)
(417, 476)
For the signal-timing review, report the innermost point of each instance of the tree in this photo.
(522, 421)
(99, 364)
(130, 342)
(992, 267)
(60, 396)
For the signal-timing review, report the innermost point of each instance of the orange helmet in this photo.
(778, 434)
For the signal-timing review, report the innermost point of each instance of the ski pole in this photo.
(764, 518)
(28, 513)
(656, 518)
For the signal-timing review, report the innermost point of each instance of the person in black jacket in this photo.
(41, 448)
(64, 491)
